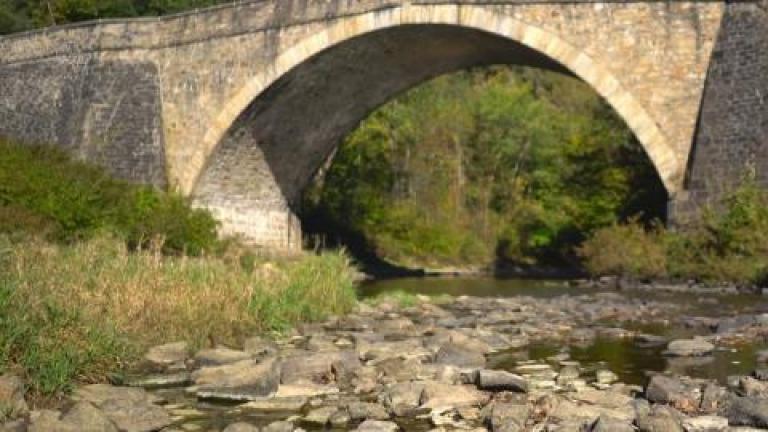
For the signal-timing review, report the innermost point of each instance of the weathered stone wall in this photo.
(732, 138)
(106, 112)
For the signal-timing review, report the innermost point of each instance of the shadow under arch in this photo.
(270, 139)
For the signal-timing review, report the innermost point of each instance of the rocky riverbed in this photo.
(471, 363)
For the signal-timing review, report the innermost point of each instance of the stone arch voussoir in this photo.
(655, 143)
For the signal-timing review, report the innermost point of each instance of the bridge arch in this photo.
(260, 205)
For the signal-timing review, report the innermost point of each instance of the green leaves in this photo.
(509, 161)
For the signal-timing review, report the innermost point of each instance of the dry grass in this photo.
(117, 303)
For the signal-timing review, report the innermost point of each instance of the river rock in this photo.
(506, 416)
(494, 380)
(689, 348)
(402, 398)
(260, 346)
(659, 419)
(178, 379)
(279, 426)
(320, 416)
(377, 426)
(684, 395)
(605, 376)
(87, 418)
(98, 394)
(49, 421)
(244, 380)
(220, 356)
(440, 396)
(747, 411)
(135, 415)
(241, 427)
(168, 355)
(316, 367)
(459, 355)
(367, 411)
(294, 403)
(705, 424)
(12, 397)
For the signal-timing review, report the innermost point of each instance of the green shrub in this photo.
(43, 190)
(626, 249)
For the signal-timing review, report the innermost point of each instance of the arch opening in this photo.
(261, 163)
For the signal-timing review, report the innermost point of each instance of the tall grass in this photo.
(80, 311)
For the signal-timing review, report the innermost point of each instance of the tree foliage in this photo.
(508, 163)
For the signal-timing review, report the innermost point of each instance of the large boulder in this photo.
(243, 380)
(88, 418)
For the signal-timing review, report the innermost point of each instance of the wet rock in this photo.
(12, 403)
(241, 427)
(689, 348)
(87, 418)
(377, 426)
(494, 380)
(747, 411)
(172, 355)
(403, 398)
(367, 411)
(220, 356)
(244, 380)
(648, 340)
(316, 367)
(705, 424)
(437, 395)
(459, 355)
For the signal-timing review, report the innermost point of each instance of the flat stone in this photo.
(705, 424)
(135, 416)
(98, 394)
(377, 426)
(220, 356)
(279, 426)
(88, 418)
(689, 348)
(439, 396)
(320, 416)
(168, 354)
(244, 380)
(403, 398)
(294, 403)
(180, 379)
(672, 390)
(241, 427)
(367, 411)
(316, 367)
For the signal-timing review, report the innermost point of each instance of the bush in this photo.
(727, 243)
(627, 250)
(83, 311)
(43, 190)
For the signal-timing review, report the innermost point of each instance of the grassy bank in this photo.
(94, 270)
(81, 311)
(727, 243)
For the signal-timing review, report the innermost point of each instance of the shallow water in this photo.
(629, 360)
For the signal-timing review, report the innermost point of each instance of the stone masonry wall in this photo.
(732, 136)
(105, 112)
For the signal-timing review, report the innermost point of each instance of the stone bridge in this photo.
(238, 106)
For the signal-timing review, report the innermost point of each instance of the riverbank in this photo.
(467, 363)
(86, 311)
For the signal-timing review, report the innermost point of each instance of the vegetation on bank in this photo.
(508, 164)
(728, 243)
(94, 270)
